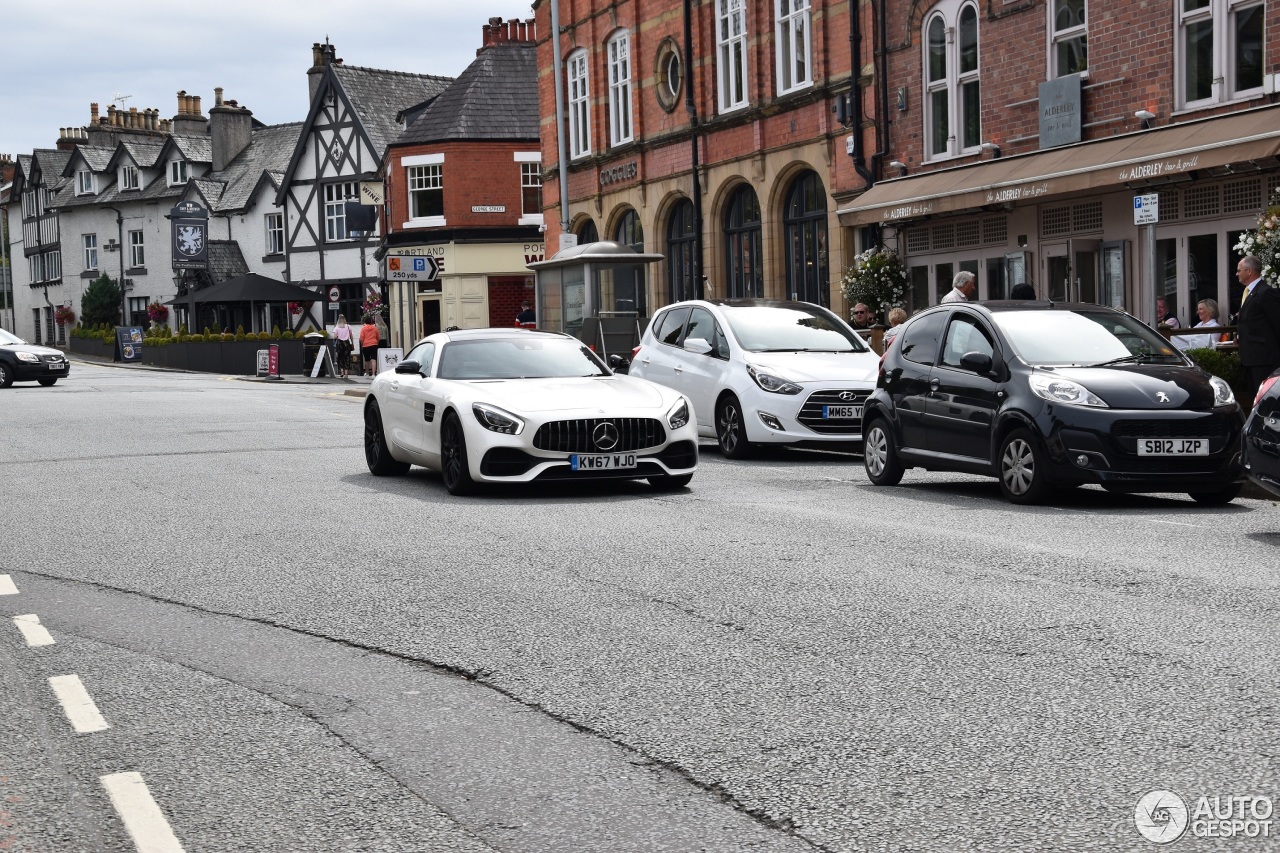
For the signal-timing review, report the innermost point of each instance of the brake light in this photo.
(635, 352)
(1264, 388)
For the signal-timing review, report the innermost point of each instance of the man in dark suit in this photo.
(1257, 326)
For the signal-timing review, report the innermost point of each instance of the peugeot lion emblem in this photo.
(846, 395)
(605, 436)
(1162, 397)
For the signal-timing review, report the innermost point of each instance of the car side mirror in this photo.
(701, 346)
(617, 363)
(976, 362)
(409, 367)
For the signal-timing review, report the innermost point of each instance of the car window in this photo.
(790, 327)
(672, 326)
(7, 338)
(518, 358)
(1083, 337)
(721, 344)
(920, 340)
(965, 335)
(423, 353)
(701, 325)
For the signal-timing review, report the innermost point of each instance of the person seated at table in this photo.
(1207, 311)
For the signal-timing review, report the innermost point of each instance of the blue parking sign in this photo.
(419, 264)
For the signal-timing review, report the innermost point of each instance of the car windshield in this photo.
(525, 357)
(790, 328)
(6, 338)
(1083, 338)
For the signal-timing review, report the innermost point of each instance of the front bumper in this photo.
(1101, 446)
(816, 416)
(26, 371)
(518, 465)
(1262, 451)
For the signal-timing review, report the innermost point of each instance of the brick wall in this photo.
(505, 295)
(474, 174)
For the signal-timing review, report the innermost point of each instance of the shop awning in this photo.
(249, 288)
(1138, 160)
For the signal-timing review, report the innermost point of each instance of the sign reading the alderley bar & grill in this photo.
(190, 236)
(1060, 111)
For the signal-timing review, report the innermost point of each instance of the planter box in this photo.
(93, 348)
(236, 358)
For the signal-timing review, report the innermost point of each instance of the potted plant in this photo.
(878, 279)
(158, 313)
(64, 316)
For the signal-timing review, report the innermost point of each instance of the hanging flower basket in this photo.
(877, 279)
(64, 316)
(1264, 243)
(157, 312)
(372, 306)
(295, 307)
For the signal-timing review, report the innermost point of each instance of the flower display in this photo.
(63, 315)
(372, 305)
(1264, 243)
(295, 307)
(876, 278)
(157, 312)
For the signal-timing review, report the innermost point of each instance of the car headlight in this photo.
(679, 414)
(28, 356)
(1222, 393)
(1057, 390)
(496, 420)
(773, 384)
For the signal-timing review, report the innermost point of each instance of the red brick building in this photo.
(723, 157)
(464, 194)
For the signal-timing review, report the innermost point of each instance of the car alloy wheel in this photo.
(376, 453)
(880, 457)
(454, 467)
(1022, 468)
(6, 375)
(731, 431)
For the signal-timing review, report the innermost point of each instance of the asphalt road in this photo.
(294, 655)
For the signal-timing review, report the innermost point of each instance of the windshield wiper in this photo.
(800, 349)
(1138, 358)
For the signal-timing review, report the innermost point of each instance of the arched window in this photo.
(805, 223)
(742, 244)
(629, 232)
(681, 243)
(587, 232)
(953, 104)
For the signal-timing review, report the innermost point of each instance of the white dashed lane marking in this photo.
(6, 586)
(77, 704)
(32, 631)
(142, 817)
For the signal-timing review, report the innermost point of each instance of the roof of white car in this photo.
(490, 334)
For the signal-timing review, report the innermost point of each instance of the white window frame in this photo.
(1220, 15)
(30, 209)
(336, 197)
(953, 81)
(1068, 32)
(137, 250)
(620, 106)
(273, 223)
(90, 244)
(794, 37)
(129, 179)
(178, 172)
(417, 169)
(579, 82)
(530, 176)
(425, 184)
(45, 267)
(731, 55)
(84, 182)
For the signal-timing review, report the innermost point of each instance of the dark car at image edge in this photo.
(24, 362)
(1262, 437)
(1046, 395)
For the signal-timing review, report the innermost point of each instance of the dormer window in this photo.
(128, 177)
(84, 182)
(177, 173)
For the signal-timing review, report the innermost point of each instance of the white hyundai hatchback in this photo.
(761, 371)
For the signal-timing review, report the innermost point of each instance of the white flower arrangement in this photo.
(1264, 243)
(878, 279)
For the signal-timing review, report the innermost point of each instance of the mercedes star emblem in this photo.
(605, 435)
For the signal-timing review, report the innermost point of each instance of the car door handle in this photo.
(933, 384)
(395, 386)
(645, 361)
(679, 368)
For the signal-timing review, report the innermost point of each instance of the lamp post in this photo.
(124, 311)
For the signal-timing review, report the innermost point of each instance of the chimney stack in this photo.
(498, 31)
(230, 130)
(321, 56)
(189, 121)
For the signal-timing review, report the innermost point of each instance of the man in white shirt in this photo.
(963, 287)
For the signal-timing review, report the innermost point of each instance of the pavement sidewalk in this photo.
(354, 385)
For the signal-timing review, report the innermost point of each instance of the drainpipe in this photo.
(124, 312)
(692, 109)
(562, 145)
(882, 84)
(855, 94)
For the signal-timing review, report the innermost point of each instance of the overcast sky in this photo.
(57, 58)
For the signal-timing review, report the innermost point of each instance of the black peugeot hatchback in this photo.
(1043, 395)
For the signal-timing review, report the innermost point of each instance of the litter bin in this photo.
(312, 344)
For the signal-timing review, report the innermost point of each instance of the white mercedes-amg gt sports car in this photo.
(516, 405)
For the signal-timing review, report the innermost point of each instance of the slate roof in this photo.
(495, 98)
(51, 163)
(269, 151)
(226, 261)
(143, 154)
(379, 96)
(197, 149)
(95, 156)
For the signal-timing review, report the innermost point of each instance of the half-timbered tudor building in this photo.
(355, 113)
(719, 150)
(464, 186)
(37, 271)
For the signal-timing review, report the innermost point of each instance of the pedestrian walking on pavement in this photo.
(344, 342)
(369, 348)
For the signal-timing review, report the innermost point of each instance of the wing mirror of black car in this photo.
(618, 364)
(976, 362)
(409, 367)
(701, 346)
